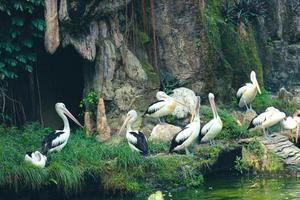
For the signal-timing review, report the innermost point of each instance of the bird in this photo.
(36, 158)
(187, 136)
(246, 94)
(214, 126)
(58, 139)
(269, 118)
(188, 97)
(136, 139)
(292, 124)
(163, 107)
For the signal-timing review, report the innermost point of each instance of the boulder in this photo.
(164, 132)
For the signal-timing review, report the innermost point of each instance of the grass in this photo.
(231, 130)
(113, 166)
(264, 100)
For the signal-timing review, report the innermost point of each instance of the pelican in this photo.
(56, 140)
(136, 139)
(292, 123)
(188, 97)
(214, 126)
(189, 133)
(36, 158)
(247, 93)
(269, 118)
(163, 107)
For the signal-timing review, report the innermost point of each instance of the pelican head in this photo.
(254, 81)
(160, 95)
(130, 118)
(62, 110)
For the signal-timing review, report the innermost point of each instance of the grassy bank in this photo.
(112, 166)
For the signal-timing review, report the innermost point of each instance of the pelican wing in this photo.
(206, 127)
(256, 121)
(155, 107)
(180, 137)
(140, 143)
(241, 91)
(52, 140)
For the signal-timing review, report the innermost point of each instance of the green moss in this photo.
(143, 37)
(108, 164)
(264, 100)
(231, 130)
(227, 49)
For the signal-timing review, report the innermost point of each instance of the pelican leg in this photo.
(267, 136)
(251, 107)
(247, 107)
(187, 152)
(297, 133)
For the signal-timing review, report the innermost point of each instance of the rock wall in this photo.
(195, 44)
(281, 26)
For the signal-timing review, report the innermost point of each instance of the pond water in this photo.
(226, 188)
(238, 188)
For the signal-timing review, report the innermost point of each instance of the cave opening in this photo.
(60, 80)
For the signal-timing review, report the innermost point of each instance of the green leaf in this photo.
(18, 6)
(18, 21)
(28, 68)
(39, 24)
(28, 43)
(2, 65)
(21, 58)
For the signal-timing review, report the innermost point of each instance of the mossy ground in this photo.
(112, 165)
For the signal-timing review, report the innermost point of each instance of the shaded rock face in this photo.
(177, 31)
(282, 23)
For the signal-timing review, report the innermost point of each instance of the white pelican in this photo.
(163, 107)
(186, 96)
(292, 123)
(247, 93)
(266, 119)
(214, 126)
(36, 158)
(188, 134)
(56, 140)
(136, 139)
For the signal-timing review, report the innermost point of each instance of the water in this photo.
(226, 188)
(239, 188)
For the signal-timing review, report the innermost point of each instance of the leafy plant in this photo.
(240, 165)
(22, 24)
(237, 11)
(90, 102)
(168, 82)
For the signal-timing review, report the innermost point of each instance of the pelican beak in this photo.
(257, 86)
(67, 112)
(123, 125)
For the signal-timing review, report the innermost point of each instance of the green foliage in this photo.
(90, 102)
(240, 165)
(256, 148)
(143, 37)
(264, 100)
(168, 82)
(237, 11)
(23, 25)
